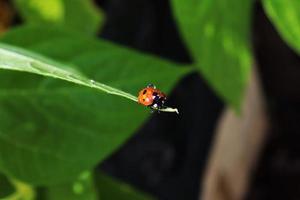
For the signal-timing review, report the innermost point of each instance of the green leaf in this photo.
(22, 191)
(110, 188)
(12, 58)
(81, 189)
(51, 130)
(218, 33)
(6, 188)
(285, 16)
(80, 15)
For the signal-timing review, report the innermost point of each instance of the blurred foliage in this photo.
(81, 189)
(218, 36)
(6, 188)
(88, 188)
(285, 16)
(6, 16)
(22, 191)
(80, 15)
(110, 188)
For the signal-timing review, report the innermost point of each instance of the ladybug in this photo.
(152, 97)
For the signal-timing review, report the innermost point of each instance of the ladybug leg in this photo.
(155, 111)
(152, 110)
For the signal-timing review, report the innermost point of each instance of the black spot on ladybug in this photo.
(144, 92)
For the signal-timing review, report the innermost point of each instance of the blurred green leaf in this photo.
(52, 130)
(80, 15)
(22, 191)
(285, 16)
(6, 188)
(218, 33)
(81, 189)
(110, 188)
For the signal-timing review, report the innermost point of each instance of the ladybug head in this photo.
(150, 85)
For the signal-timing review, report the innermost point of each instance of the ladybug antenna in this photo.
(151, 86)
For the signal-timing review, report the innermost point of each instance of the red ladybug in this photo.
(152, 97)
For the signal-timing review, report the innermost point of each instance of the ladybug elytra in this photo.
(152, 97)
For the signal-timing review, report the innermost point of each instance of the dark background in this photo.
(167, 156)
